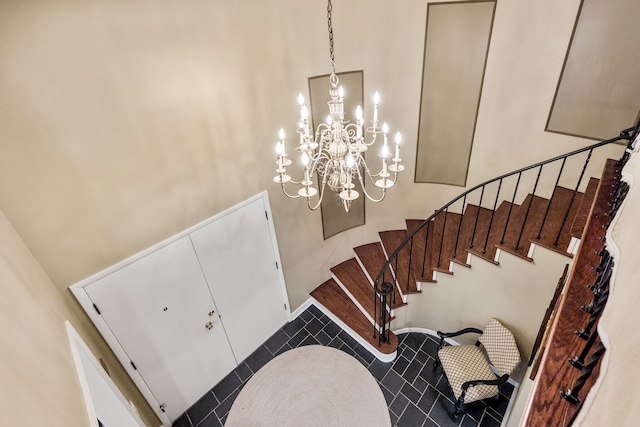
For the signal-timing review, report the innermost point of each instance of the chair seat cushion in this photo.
(462, 363)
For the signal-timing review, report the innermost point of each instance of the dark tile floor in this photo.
(415, 394)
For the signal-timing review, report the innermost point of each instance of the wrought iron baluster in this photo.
(426, 245)
(605, 257)
(578, 361)
(393, 297)
(410, 262)
(627, 152)
(585, 333)
(571, 395)
(573, 196)
(513, 199)
(375, 306)
(495, 205)
(382, 294)
(598, 296)
(444, 227)
(455, 249)
(546, 212)
(526, 215)
(604, 270)
(475, 225)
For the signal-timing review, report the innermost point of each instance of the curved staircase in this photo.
(349, 295)
(427, 248)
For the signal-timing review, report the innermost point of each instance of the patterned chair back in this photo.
(500, 346)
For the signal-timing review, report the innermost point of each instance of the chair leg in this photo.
(459, 408)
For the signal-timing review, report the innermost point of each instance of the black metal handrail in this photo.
(382, 327)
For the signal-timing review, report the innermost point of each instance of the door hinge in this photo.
(277, 268)
(266, 215)
(285, 306)
(133, 364)
(163, 406)
(97, 311)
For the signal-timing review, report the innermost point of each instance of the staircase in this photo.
(455, 235)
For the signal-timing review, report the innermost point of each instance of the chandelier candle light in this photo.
(335, 151)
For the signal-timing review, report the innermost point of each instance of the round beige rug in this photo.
(311, 386)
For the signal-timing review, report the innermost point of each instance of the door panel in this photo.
(239, 262)
(158, 308)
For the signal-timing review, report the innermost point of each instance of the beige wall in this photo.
(517, 292)
(123, 123)
(40, 383)
(132, 120)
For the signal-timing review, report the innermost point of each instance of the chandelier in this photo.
(335, 151)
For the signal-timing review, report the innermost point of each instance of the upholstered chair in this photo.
(475, 371)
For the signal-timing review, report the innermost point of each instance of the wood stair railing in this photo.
(407, 257)
(350, 296)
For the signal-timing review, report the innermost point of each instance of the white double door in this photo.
(186, 313)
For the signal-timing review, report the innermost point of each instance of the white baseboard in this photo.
(386, 358)
(298, 311)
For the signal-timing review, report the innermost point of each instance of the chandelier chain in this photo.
(333, 61)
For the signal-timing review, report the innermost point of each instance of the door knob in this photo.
(209, 325)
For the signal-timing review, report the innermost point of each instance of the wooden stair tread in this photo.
(333, 298)
(421, 255)
(470, 229)
(495, 233)
(563, 206)
(404, 274)
(531, 222)
(445, 230)
(582, 214)
(372, 258)
(357, 284)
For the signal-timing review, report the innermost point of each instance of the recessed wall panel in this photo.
(456, 45)
(334, 217)
(598, 93)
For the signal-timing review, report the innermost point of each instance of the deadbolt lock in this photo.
(211, 313)
(209, 325)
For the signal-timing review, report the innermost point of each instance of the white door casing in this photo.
(103, 400)
(159, 320)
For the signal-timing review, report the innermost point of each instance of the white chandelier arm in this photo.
(324, 180)
(295, 196)
(322, 129)
(373, 139)
(317, 160)
(364, 190)
(352, 129)
(368, 171)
